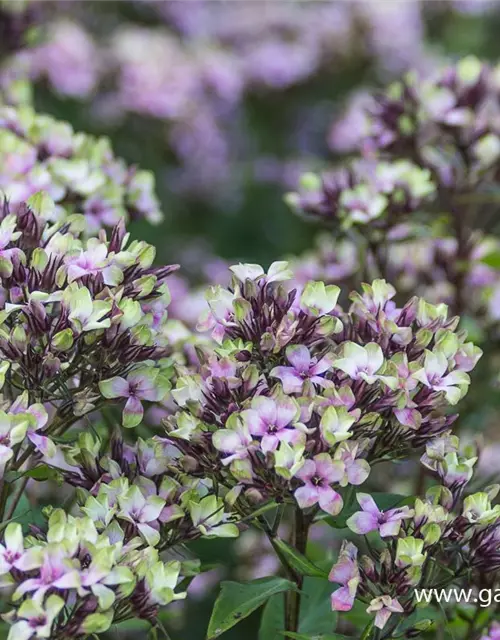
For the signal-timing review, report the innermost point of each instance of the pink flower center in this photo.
(11, 556)
(318, 481)
(40, 621)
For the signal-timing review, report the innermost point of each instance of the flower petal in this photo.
(299, 357)
(114, 388)
(362, 522)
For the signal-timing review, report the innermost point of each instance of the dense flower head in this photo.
(81, 322)
(144, 487)
(299, 397)
(445, 121)
(416, 535)
(380, 194)
(448, 120)
(76, 579)
(79, 172)
(430, 147)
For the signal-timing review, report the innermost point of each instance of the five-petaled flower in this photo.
(273, 420)
(304, 367)
(371, 518)
(142, 384)
(318, 474)
(346, 573)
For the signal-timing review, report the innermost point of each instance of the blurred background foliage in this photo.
(276, 131)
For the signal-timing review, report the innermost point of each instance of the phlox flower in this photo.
(56, 572)
(12, 553)
(143, 511)
(220, 313)
(145, 383)
(335, 425)
(86, 314)
(387, 523)
(384, 607)
(236, 440)
(346, 573)
(356, 470)
(92, 261)
(161, 580)
(318, 474)
(434, 376)
(273, 420)
(409, 552)
(208, 516)
(303, 367)
(34, 619)
(318, 299)
(277, 272)
(361, 363)
(288, 460)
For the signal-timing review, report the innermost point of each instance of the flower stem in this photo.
(301, 526)
(15, 498)
(367, 633)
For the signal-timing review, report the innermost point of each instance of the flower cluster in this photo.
(74, 580)
(414, 547)
(143, 487)
(299, 398)
(81, 324)
(79, 172)
(427, 138)
(380, 193)
(423, 183)
(447, 121)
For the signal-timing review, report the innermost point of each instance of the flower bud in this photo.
(63, 340)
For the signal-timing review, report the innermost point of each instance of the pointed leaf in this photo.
(237, 600)
(316, 615)
(298, 561)
(322, 636)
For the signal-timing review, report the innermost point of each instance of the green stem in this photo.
(4, 493)
(264, 526)
(15, 498)
(367, 631)
(301, 526)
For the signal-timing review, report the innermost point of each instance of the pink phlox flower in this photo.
(303, 367)
(318, 474)
(371, 518)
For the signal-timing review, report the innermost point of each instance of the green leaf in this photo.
(492, 260)
(368, 630)
(261, 510)
(316, 615)
(25, 514)
(298, 561)
(237, 600)
(322, 636)
(41, 473)
(384, 502)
